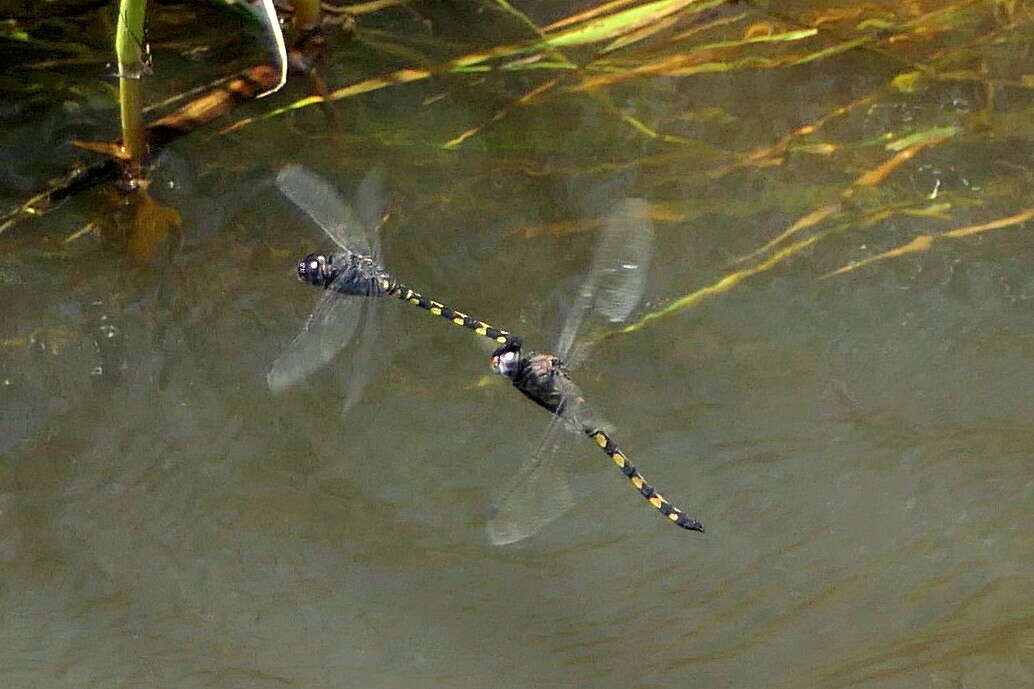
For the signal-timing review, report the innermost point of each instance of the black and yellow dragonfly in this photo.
(612, 289)
(349, 276)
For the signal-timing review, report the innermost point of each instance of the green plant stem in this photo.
(129, 42)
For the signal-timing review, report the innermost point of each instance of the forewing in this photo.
(329, 328)
(371, 199)
(318, 199)
(539, 492)
(616, 279)
(622, 259)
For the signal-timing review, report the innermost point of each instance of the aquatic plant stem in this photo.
(129, 44)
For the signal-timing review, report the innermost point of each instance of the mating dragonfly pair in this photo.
(354, 276)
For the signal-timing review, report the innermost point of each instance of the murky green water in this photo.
(858, 447)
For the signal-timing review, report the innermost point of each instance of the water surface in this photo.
(858, 447)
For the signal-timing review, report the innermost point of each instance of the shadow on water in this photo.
(831, 367)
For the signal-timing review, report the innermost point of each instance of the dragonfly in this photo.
(349, 278)
(611, 291)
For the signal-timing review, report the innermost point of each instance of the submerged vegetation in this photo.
(925, 147)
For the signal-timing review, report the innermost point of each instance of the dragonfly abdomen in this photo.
(411, 296)
(659, 502)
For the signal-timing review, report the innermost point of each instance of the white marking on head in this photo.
(506, 363)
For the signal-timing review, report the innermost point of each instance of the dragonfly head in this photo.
(315, 269)
(506, 361)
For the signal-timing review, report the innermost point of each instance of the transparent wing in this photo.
(370, 325)
(329, 329)
(617, 276)
(575, 317)
(371, 200)
(337, 317)
(539, 492)
(318, 199)
(622, 259)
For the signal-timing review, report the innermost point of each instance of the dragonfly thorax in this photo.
(540, 377)
(350, 274)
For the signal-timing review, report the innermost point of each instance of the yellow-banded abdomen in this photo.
(659, 502)
(411, 296)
